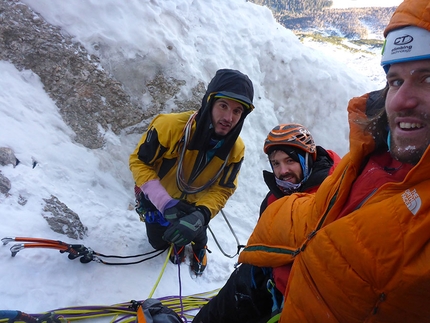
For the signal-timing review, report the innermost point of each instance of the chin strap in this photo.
(389, 140)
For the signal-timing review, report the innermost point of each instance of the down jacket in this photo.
(371, 265)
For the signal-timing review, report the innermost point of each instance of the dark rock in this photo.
(7, 156)
(5, 184)
(63, 220)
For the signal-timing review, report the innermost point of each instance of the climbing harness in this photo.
(74, 250)
(239, 246)
(146, 210)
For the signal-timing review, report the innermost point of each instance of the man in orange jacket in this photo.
(298, 166)
(360, 246)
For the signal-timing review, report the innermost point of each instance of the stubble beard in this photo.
(408, 151)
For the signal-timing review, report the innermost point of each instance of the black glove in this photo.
(182, 232)
(178, 210)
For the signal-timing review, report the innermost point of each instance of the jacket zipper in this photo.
(323, 218)
(293, 253)
(382, 297)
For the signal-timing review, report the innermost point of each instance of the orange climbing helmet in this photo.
(291, 134)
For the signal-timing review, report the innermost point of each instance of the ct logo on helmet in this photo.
(403, 40)
(304, 132)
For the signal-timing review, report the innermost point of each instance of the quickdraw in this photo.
(74, 251)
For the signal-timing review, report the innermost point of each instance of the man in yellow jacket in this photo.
(186, 165)
(360, 246)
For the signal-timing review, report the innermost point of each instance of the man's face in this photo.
(225, 115)
(408, 109)
(285, 168)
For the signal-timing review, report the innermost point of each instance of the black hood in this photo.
(231, 83)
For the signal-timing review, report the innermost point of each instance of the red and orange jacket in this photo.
(371, 265)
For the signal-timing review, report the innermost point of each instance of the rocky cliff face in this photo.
(90, 97)
(85, 94)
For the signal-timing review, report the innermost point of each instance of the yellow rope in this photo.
(162, 272)
(189, 303)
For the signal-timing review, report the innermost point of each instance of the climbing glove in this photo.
(176, 209)
(182, 232)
